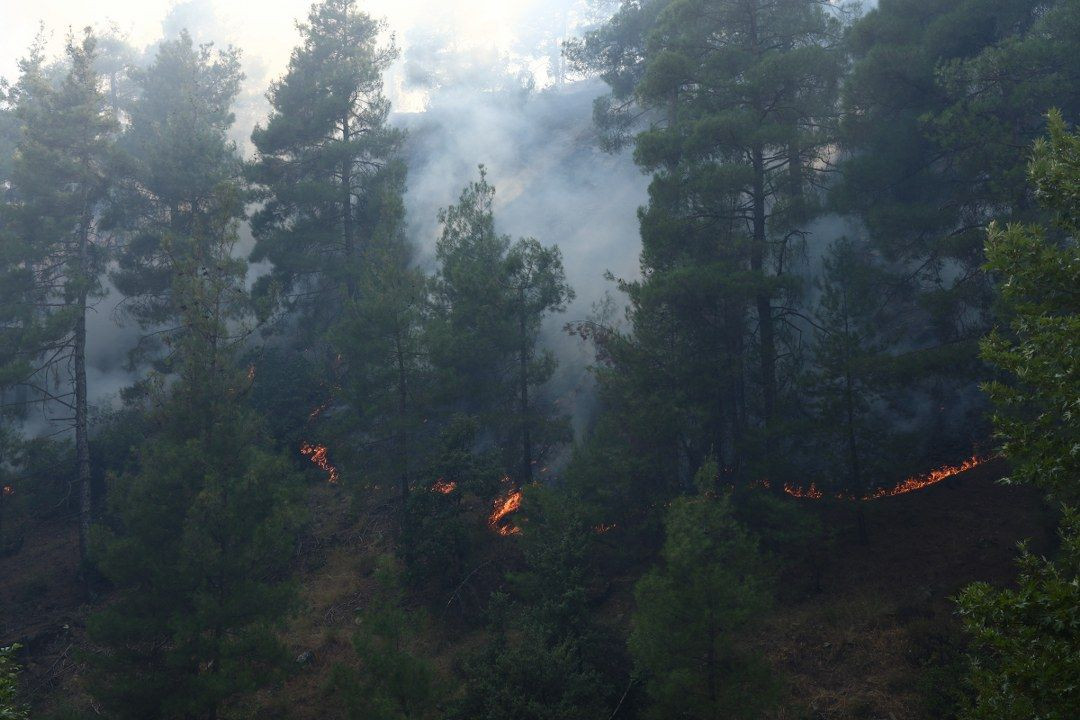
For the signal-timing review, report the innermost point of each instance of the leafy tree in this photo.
(1025, 657)
(9, 686)
(1026, 642)
(58, 254)
(202, 526)
(711, 583)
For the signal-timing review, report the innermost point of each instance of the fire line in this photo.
(911, 484)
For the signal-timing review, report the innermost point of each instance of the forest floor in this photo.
(860, 631)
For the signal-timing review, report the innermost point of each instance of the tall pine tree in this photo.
(60, 179)
(201, 528)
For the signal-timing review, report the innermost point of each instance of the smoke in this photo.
(477, 82)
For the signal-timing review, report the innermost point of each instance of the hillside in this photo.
(859, 631)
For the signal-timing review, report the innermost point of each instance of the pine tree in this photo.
(379, 337)
(321, 159)
(490, 297)
(740, 101)
(328, 170)
(200, 530)
(391, 681)
(849, 349)
(179, 167)
(940, 106)
(712, 583)
(58, 254)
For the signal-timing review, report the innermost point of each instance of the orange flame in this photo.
(504, 506)
(444, 487)
(319, 410)
(916, 482)
(8, 490)
(603, 528)
(320, 457)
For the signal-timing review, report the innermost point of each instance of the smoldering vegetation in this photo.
(556, 360)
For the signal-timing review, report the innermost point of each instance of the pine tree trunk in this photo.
(403, 436)
(767, 342)
(82, 440)
(346, 208)
(763, 299)
(526, 438)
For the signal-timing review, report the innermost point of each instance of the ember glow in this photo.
(916, 482)
(314, 414)
(444, 487)
(319, 455)
(504, 506)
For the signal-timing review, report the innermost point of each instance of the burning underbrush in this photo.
(911, 484)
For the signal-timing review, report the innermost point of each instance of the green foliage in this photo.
(942, 102)
(391, 681)
(198, 548)
(321, 159)
(1038, 403)
(489, 297)
(702, 367)
(546, 659)
(330, 177)
(439, 537)
(711, 585)
(201, 529)
(178, 163)
(1025, 659)
(10, 709)
(844, 384)
(379, 338)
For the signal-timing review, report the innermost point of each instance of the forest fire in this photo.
(444, 487)
(319, 455)
(916, 482)
(504, 506)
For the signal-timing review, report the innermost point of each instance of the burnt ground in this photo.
(870, 631)
(859, 631)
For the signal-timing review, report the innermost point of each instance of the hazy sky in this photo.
(264, 29)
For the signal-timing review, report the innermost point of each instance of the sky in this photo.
(265, 29)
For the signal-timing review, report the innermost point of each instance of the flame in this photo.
(444, 487)
(8, 490)
(913, 483)
(503, 506)
(319, 455)
(320, 409)
(918, 482)
(603, 528)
